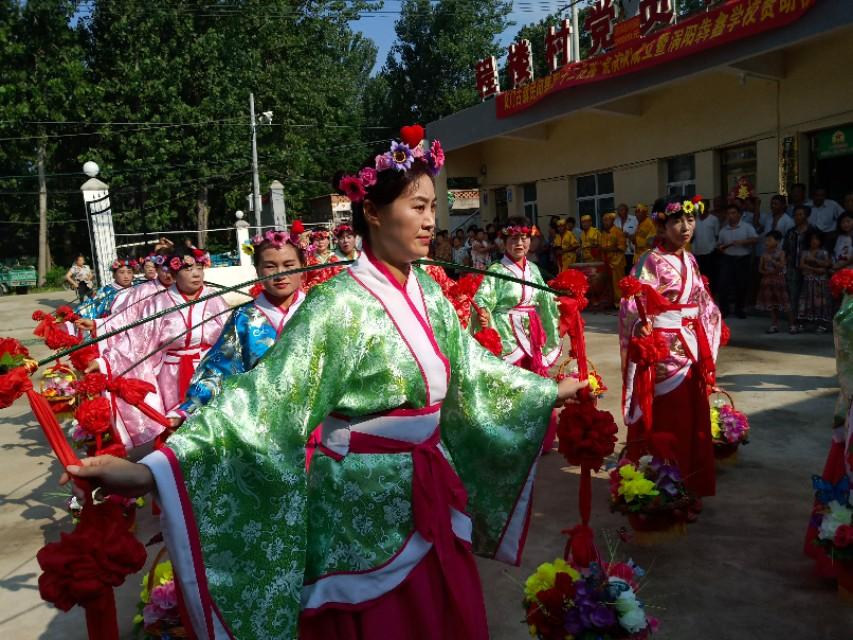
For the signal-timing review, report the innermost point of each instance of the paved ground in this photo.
(738, 575)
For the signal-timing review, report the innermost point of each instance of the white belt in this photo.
(674, 319)
(408, 425)
(174, 357)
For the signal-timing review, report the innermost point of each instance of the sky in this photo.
(380, 27)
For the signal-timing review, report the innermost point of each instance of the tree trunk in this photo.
(43, 256)
(202, 211)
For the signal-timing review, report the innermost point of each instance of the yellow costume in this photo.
(614, 243)
(568, 242)
(646, 234)
(590, 243)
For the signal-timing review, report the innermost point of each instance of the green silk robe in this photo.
(256, 539)
(511, 306)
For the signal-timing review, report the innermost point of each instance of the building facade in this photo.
(775, 108)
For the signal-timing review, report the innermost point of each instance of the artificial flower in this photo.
(352, 188)
(384, 162)
(843, 536)
(436, 158)
(545, 576)
(673, 207)
(688, 207)
(175, 263)
(94, 415)
(401, 156)
(634, 484)
(248, 248)
(836, 515)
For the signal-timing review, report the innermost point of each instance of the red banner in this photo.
(735, 20)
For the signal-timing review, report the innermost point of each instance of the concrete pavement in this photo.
(738, 575)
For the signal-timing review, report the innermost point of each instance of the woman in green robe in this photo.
(427, 452)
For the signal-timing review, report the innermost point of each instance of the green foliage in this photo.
(429, 72)
(55, 277)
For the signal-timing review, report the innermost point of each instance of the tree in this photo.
(429, 72)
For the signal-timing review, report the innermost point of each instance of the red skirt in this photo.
(685, 413)
(421, 608)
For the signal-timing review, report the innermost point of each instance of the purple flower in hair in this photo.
(401, 156)
(384, 162)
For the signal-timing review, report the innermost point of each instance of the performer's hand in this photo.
(643, 330)
(176, 422)
(116, 475)
(567, 390)
(85, 323)
(483, 316)
(92, 367)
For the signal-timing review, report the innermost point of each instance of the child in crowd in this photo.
(481, 251)
(773, 291)
(815, 301)
(842, 254)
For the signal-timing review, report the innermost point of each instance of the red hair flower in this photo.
(352, 188)
(94, 415)
(297, 227)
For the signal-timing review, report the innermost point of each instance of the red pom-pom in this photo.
(630, 286)
(648, 350)
(297, 227)
(13, 348)
(94, 415)
(490, 339)
(725, 335)
(587, 434)
(66, 313)
(92, 384)
(412, 135)
(696, 199)
(256, 290)
(13, 385)
(571, 281)
(467, 285)
(841, 282)
(81, 358)
(131, 390)
(39, 315)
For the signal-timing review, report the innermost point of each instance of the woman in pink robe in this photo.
(176, 342)
(685, 317)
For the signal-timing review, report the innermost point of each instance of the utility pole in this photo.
(43, 257)
(256, 183)
(576, 38)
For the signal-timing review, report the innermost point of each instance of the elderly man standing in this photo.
(627, 224)
(644, 236)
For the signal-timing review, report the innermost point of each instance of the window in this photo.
(736, 163)
(681, 176)
(595, 195)
(531, 209)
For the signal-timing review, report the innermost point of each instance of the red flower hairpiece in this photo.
(515, 230)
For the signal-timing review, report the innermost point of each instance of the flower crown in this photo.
(516, 230)
(687, 207)
(320, 233)
(176, 263)
(277, 239)
(342, 229)
(401, 157)
(124, 262)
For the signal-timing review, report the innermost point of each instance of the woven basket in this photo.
(159, 630)
(59, 404)
(725, 451)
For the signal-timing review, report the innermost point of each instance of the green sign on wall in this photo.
(832, 143)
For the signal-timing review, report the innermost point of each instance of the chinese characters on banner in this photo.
(661, 41)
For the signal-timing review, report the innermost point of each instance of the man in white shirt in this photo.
(735, 242)
(777, 220)
(825, 212)
(705, 239)
(628, 224)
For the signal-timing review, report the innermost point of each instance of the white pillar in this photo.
(242, 237)
(99, 215)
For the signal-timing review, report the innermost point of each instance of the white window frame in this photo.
(596, 198)
(681, 187)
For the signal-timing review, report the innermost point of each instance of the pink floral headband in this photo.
(278, 239)
(688, 208)
(118, 264)
(176, 263)
(515, 230)
(341, 229)
(401, 157)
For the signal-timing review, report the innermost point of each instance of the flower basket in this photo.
(57, 387)
(158, 612)
(597, 388)
(729, 427)
(651, 529)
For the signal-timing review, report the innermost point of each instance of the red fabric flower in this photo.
(467, 285)
(13, 385)
(94, 415)
(81, 358)
(91, 560)
(843, 536)
(725, 335)
(297, 227)
(39, 315)
(587, 435)
(66, 313)
(490, 339)
(92, 384)
(841, 282)
(10, 346)
(648, 350)
(630, 286)
(571, 281)
(352, 188)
